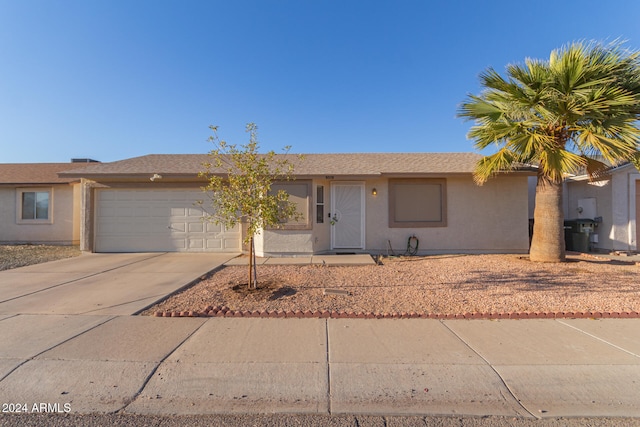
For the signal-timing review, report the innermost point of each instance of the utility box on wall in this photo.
(587, 208)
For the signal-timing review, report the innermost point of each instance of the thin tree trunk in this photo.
(255, 267)
(250, 283)
(547, 243)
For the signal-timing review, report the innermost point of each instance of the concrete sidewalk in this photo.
(144, 365)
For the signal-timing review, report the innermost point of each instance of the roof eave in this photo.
(38, 183)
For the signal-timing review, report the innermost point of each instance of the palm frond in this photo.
(555, 163)
(488, 166)
(583, 101)
(596, 169)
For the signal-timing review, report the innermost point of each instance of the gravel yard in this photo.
(446, 284)
(14, 256)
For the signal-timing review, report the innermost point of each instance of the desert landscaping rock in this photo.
(439, 287)
(14, 256)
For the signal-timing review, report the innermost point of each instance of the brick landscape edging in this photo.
(298, 314)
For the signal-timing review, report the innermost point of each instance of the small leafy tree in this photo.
(239, 181)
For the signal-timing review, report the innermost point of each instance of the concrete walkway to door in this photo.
(104, 284)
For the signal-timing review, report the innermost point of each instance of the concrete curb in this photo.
(222, 311)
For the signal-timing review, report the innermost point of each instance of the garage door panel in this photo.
(141, 211)
(159, 212)
(109, 212)
(196, 244)
(231, 244)
(156, 196)
(178, 212)
(194, 213)
(214, 244)
(125, 196)
(124, 211)
(157, 221)
(214, 228)
(106, 195)
(196, 227)
(178, 227)
(178, 245)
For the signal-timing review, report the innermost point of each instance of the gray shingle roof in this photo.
(360, 164)
(36, 173)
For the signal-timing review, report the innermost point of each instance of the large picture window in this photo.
(299, 194)
(34, 206)
(419, 202)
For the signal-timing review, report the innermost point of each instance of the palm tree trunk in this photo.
(547, 243)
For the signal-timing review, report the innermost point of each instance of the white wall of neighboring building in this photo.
(618, 231)
(601, 191)
(615, 201)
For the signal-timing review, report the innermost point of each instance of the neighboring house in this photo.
(37, 206)
(350, 203)
(614, 202)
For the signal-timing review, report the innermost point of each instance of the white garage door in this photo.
(157, 221)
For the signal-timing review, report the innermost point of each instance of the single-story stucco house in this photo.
(350, 203)
(614, 202)
(37, 206)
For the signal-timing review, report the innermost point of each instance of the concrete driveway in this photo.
(102, 284)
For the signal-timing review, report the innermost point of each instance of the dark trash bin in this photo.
(577, 233)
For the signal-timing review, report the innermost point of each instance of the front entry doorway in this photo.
(347, 215)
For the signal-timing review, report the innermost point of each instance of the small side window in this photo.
(320, 204)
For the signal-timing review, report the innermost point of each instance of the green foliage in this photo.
(563, 114)
(239, 181)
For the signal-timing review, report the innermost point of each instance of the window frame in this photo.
(393, 223)
(308, 210)
(320, 204)
(19, 206)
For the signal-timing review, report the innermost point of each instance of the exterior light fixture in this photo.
(374, 192)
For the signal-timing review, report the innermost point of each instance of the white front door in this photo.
(347, 215)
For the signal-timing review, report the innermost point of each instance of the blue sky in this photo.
(114, 79)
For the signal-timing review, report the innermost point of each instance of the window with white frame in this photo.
(34, 205)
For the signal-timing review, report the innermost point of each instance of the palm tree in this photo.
(563, 115)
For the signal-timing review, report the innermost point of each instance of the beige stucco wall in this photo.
(296, 242)
(300, 242)
(489, 219)
(64, 228)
